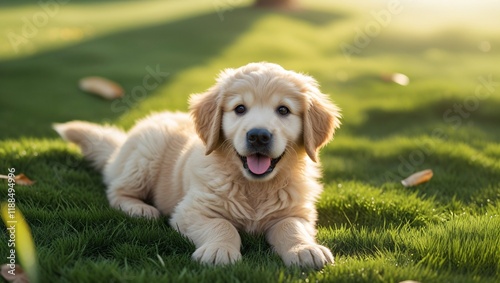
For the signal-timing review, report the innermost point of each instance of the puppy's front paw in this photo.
(216, 254)
(141, 210)
(312, 255)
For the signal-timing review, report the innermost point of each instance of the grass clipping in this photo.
(21, 244)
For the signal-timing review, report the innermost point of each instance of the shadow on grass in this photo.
(43, 89)
(424, 119)
(453, 147)
(455, 177)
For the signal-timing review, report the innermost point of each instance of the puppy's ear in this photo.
(207, 114)
(321, 118)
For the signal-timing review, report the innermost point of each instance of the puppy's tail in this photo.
(96, 142)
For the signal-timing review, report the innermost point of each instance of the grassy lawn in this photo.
(447, 119)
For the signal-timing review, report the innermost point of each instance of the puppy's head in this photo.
(260, 113)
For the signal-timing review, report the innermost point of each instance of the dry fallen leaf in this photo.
(102, 87)
(21, 179)
(14, 273)
(417, 178)
(400, 79)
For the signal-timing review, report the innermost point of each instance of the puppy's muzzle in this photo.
(258, 161)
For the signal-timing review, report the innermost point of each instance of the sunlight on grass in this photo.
(60, 25)
(466, 243)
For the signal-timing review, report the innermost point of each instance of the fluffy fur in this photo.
(200, 168)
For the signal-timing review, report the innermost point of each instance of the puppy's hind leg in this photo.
(130, 177)
(130, 201)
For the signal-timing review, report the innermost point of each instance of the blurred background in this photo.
(352, 47)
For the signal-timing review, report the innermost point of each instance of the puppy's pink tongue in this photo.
(258, 164)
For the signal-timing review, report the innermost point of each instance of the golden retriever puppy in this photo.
(245, 159)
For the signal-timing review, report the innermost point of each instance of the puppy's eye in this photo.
(283, 110)
(240, 109)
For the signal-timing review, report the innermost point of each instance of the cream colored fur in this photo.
(188, 166)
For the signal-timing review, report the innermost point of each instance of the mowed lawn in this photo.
(446, 119)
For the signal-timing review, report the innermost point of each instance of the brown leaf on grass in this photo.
(102, 87)
(14, 273)
(23, 180)
(20, 179)
(400, 79)
(418, 178)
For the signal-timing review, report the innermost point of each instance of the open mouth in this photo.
(258, 164)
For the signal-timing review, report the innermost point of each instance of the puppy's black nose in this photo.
(259, 137)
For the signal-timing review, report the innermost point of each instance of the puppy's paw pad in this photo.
(216, 254)
(314, 255)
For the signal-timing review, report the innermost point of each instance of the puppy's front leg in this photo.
(217, 241)
(293, 239)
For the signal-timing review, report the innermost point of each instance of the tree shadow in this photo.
(313, 17)
(44, 87)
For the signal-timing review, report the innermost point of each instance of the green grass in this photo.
(379, 231)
